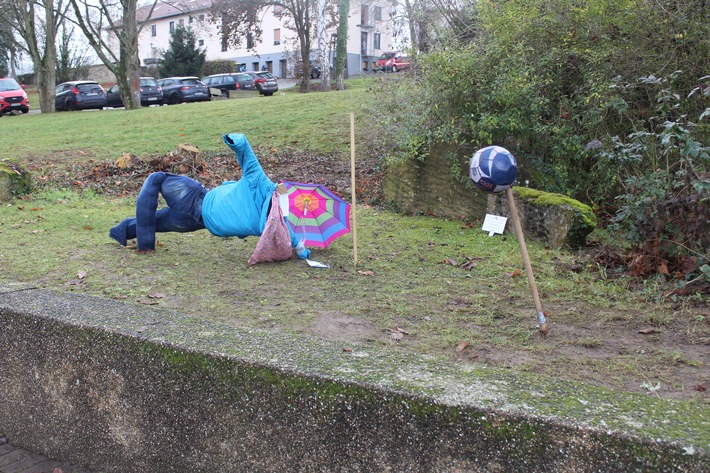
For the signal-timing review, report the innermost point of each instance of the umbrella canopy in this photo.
(316, 215)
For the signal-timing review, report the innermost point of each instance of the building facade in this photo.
(370, 32)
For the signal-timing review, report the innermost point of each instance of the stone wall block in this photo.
(555, 219)
(14, 180)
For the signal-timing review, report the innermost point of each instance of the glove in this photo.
(301, 251)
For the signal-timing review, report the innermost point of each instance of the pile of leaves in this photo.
(125, 176)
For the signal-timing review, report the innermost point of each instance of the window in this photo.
(376, 41)
(190, 20)
(363, 44)
(153, 30)
(277, 36)
(364, 10)
(201, 42)
(378, 13)
(172, 26)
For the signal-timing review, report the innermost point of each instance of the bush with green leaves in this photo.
(218, 66)
(663, 171)
(534, 76)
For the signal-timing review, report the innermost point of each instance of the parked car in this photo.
(79, 95)
(12, 97)
(266, 83)
(392, 61)
(184, 89)
(151, 93)
(315, 70)
(229, 81)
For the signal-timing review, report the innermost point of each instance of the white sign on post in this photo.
(494, 224)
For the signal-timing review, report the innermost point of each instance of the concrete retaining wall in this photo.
(120, 388)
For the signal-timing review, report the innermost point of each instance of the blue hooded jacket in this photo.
(240, 208)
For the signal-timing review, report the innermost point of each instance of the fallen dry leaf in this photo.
(81, 274)
(37, 209)
(450, 261)
(347, 349)
(648, 331)
(156, 295)
(366, 273)
(515, 273)
(461, 347)
(74, 282)
(149, 301)
(469, 265)
(396, 336)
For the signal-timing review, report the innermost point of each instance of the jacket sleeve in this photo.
(251, 169)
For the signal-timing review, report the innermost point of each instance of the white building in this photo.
(370, 32)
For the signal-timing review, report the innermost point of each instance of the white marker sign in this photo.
(494, 224)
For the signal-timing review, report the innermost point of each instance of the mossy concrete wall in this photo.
(120, 388)
(14, 180)
(556, 219)
(429, 187)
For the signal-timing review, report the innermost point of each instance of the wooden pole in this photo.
(352, 185)
(518, 228)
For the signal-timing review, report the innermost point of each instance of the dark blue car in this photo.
(79, 95)
(183, 89)
(151, 93)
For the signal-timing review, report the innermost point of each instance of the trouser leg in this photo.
(146, 206)
(183, 214)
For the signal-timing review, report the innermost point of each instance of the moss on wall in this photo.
(14, 180)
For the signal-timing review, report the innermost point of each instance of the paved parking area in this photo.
(18, 460)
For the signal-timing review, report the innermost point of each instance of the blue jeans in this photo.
(183, 213)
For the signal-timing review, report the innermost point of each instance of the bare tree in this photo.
(36, 22)
(119, 17)
(242, 18)
(321, 32)
(72, 60)
(341, 49)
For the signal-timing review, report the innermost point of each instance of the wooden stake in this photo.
(352, 185)
(518, 228)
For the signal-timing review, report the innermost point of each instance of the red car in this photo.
(392, 61)
(12, 97)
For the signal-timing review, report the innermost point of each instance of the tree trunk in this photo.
(46, 81)
(44, 61)
(323, 48)
(301, 13)
(412, 21)
(129, 63)
(126, 67)
(341, 50)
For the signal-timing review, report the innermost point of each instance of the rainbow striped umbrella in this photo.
(316, 215)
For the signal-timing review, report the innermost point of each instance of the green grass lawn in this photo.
(305, 121)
